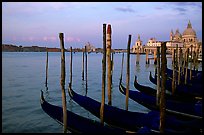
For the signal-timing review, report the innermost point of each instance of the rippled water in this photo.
(23, 76)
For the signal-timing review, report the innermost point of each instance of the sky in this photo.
(39, 23)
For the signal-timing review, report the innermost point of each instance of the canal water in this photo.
(23, 77)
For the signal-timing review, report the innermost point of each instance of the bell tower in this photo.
(171, 35)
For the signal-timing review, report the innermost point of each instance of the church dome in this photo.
(189, 30)
(177, 34)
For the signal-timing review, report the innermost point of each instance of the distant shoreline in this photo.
(15, 48)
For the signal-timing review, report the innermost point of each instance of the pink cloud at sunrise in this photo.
(39, 23)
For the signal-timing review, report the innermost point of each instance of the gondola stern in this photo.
(135, 82)
(121, 88)
(42, 99)
(70, 91)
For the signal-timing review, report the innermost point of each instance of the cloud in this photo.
(72, 39)
(125, 9)
(186, 4)
(182, 8)
(159, 8)
(49, 38)
(32, 8)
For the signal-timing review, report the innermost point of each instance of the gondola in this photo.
(196, 78)
(182, 89)
(130, 120)
(150, 91)
(77, 123)
(179, 109)
(195, 73)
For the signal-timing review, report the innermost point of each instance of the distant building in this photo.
(185, 40)
(188, 38)
(90, 48)
(137, 45)
(153, 42)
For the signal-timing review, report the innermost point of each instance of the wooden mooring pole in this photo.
(86, 70)
(46, 67)
(163, 87)
(61, 36)
(179, 65)
(194, 59)
(128, 72)
(147, 59)
(184, 62)
(108, 54)
(103, 76)
(83, 65)
(174, 73)
(112, 66)
(70, 67)
(121, 75)
(197, 54)
(191, 62)
(158, 77)
(138, 56)
(186, 65)
(155, 57)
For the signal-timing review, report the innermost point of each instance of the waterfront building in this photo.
(188, 38)
(90, 47)
(137, 45)
(152, 42)
(185, 40)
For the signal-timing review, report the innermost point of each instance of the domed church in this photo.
(188, 37)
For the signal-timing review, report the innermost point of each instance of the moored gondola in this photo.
(77, 123)
(131, 120)
(150, 91)
(180, 109)
(188, 91)
(195, 73)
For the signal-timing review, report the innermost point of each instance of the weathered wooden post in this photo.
(184, 61)
(158, 76)
(155, 57)
(128, 72)
(46, 67)
(179, 66)
(173, 57)
(191, 62)
(176, 58)
(121, 75)
(108, 54)
(86, 70)
(194, 59)
(83, 65)
(174, 74)
(103, 75)
(61, 36)
(163, 87)
(147, 59)
(112, 66)
(70, 67)
(138, 56)
(197, 54)
(186, 72)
